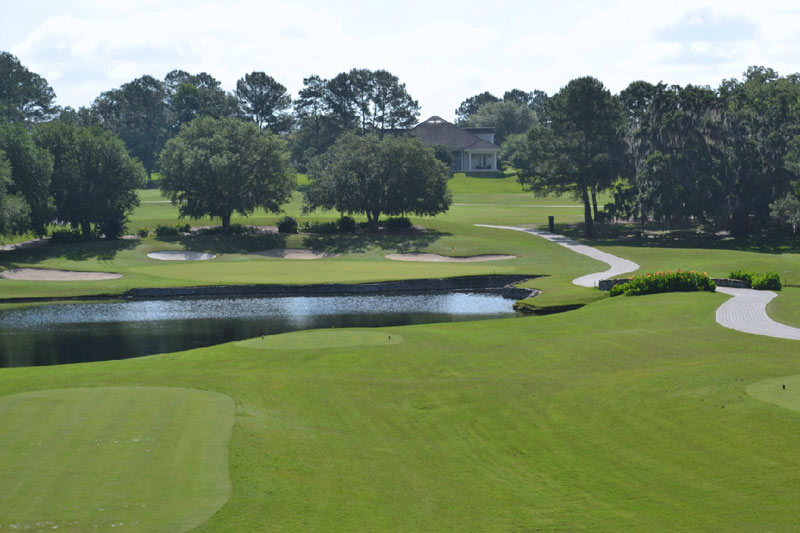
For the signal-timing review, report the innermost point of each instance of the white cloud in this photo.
(443, 51)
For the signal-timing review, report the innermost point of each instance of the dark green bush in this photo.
(66, 236)
(287, 225)
(770, 281)
(163, 230)
(742, 275)
(346, 224)
(658, 282)
(397, 224)
(143, 232)
(315, 226)
(183, 228)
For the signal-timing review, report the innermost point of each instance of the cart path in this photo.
(617, 264)
(747, 312)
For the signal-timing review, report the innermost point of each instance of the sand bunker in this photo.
(435, 258)
(294, 253)
(178, 255)
(41, 274)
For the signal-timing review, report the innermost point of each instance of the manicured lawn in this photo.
(137, 458)
(627, 414)
(631, 413)
(786, 307)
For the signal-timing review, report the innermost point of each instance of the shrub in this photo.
(658, 282)
(315, 226)
(287, 225)
(163, 230)
(346, 224)
(143, 232)
(66, 235)
(397, 224)
(184, 228)
(770, 281)
(742, 275)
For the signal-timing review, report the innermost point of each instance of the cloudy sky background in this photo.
(444, 51)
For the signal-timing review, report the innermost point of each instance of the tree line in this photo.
(725, 157)
(218, 152)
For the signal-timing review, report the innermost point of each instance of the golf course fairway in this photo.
(630, 413)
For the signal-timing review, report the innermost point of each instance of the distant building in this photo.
(473, 148)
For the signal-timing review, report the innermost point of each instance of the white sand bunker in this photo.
(178, 255)
(436, 258)
(41, 274)
(294, 253)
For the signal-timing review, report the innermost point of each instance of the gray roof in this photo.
(436, 130)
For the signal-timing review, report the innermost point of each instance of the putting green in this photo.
(86, 458)
(325, 338)
(772, 391)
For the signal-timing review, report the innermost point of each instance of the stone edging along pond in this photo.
(502, 283)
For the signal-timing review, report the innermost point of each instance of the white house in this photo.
(473, 148)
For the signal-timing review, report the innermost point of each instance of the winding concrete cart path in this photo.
(747, 312)
(617, 264)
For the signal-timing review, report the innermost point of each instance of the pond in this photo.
(80, 332)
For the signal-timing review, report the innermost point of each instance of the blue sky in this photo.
(444, 51)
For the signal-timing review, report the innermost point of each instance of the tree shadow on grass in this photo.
(362, 242)
(101, 249)
(767, 242)
(228, 244)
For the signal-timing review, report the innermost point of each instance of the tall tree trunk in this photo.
(594, 200)
(226, 223)
(86, 229)
(372, 219)
(588, 229)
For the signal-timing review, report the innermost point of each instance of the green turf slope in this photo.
(136, 458)
(628, 414)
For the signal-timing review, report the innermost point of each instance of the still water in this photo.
(73, 333)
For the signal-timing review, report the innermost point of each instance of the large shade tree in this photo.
(359, 100)
(197, 95)
(94, 179)
(368, 175)
(139, 114)
(31, 169)
(24, 95)
(265, 101)
(579, 150)
(14, 211)
(216, 167)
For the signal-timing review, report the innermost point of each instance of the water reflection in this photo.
(71, 333)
